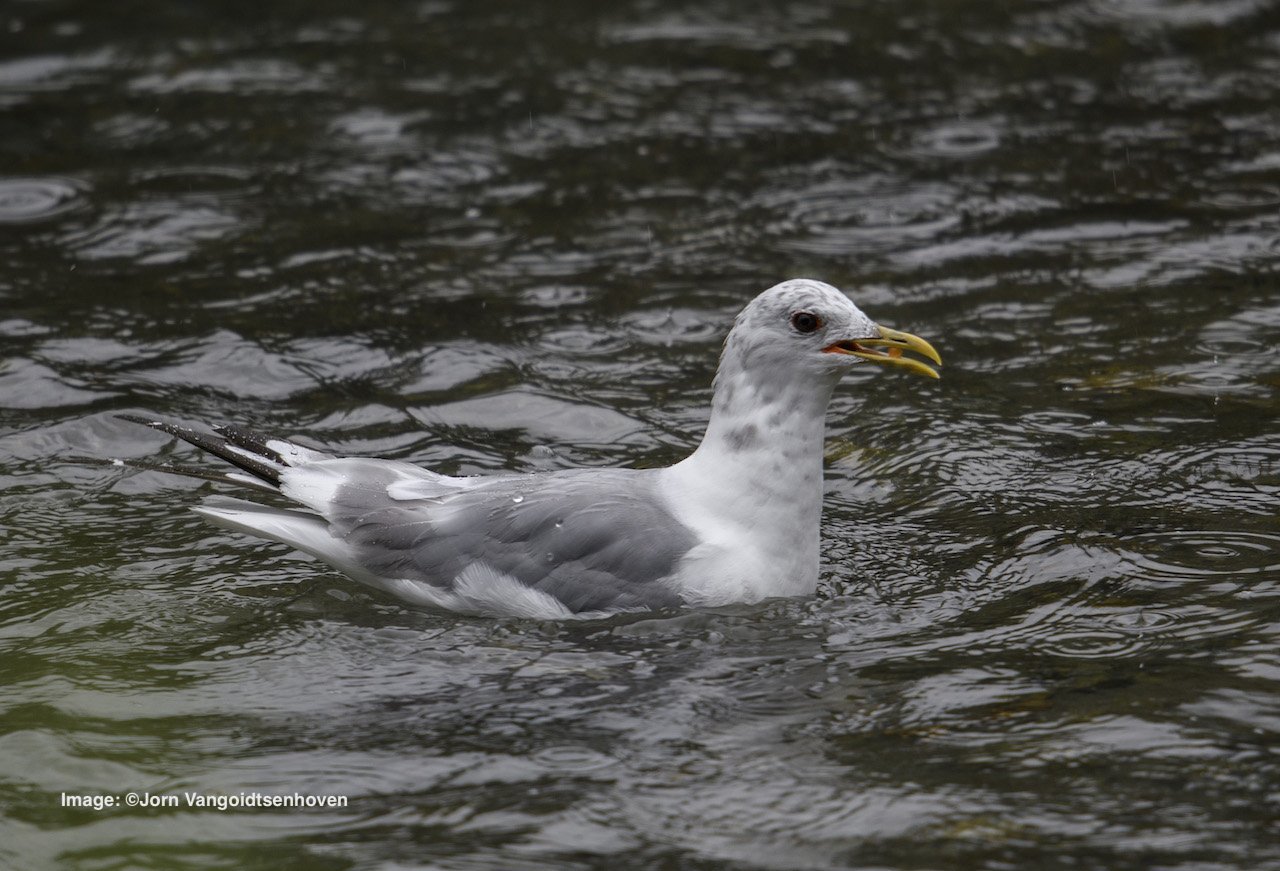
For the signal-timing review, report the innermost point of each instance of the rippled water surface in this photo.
(488, 236)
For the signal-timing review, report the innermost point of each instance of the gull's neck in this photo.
(772, 426)
(753, 487)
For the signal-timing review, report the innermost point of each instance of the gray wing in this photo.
(594, 539)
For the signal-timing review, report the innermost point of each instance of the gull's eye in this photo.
(805, 322)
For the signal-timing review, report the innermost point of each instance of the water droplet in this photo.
(550, 557)
(559, 523)
(517, 498)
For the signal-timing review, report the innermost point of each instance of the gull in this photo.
(736, 521)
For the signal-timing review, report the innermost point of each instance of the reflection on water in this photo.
(485, 239)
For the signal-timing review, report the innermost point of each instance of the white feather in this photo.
(297, 529)
(296, 455)
(488, 591)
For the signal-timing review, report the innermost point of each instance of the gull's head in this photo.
(810, 325)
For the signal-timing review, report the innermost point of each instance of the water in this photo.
(483, 236)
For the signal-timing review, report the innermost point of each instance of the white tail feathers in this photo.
(298, 529)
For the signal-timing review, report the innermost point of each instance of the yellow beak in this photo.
(894, 343)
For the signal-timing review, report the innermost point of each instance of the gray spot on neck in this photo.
(742, 437)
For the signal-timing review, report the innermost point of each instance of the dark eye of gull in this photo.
(805, 322)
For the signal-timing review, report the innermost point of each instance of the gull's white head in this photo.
(810, 326)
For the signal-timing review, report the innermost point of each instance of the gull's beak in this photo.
(894, 343)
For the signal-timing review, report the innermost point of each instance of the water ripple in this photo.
(958, 139)
(36, 200)
(1234, 557)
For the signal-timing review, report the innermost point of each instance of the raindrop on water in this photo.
(28, 200)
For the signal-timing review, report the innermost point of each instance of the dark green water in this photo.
(488, 236)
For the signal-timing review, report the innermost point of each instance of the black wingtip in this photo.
(249, 440)
(170, 468)
(241, 454)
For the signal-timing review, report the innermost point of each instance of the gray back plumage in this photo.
(595, 540)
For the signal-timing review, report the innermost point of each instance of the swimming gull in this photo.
(736, 521)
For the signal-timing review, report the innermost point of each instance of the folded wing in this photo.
(551, 544)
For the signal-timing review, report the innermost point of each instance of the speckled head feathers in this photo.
(790, 323)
